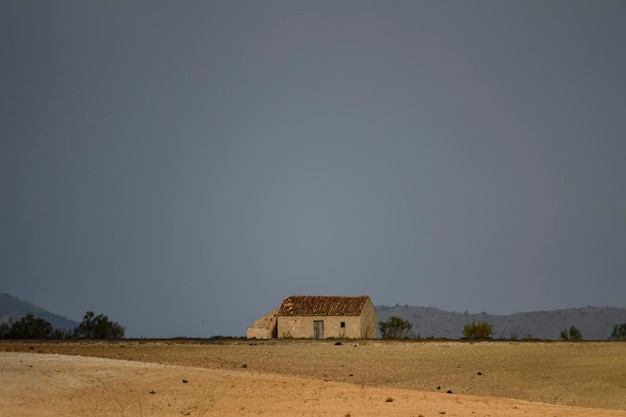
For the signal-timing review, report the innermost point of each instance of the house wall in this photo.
(264, 328)
(369, 322)
(298, 327)
(258, 333)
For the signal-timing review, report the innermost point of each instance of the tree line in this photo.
(92, 327)
(397, 328)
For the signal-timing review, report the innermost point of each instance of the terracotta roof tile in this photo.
(308, 305)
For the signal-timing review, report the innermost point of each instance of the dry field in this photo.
(308, 378)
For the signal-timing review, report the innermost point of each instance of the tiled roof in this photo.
(308, 305)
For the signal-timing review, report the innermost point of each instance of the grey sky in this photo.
(184, 166)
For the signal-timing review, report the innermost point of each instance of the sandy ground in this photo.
(305, 379)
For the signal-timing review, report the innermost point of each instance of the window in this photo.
(343, 324)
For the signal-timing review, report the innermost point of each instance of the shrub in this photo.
(478, 330)
(99, 327)
(619, 332)
(4, 330)
(29, 327)
(395, 328)
(573, 334)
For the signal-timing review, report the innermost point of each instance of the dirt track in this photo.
(308, 378)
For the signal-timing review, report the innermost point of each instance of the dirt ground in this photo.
(307, 378)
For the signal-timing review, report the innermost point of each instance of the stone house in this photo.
(318, 317)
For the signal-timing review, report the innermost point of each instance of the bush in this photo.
(479, 330)
(395, 328)
(29, 327)
(99, 327)
(619, 332)
(574, 334)
(4, 330)
(62, 334)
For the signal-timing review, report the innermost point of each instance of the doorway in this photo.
(318, 329)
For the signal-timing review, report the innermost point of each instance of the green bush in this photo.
(29, 327)
(395, 328)
(99, 327)
(4, 330)
(619, 332)
(573, 334)
(477, 330)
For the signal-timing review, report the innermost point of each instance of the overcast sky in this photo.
(184, 166)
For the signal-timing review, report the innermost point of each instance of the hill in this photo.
(14, 308)
(595, 323)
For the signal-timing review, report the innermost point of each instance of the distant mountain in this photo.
(14, 308)
(595, 323)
